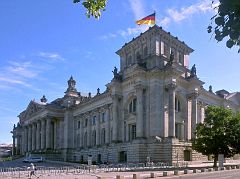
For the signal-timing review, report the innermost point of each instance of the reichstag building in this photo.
(149, 109)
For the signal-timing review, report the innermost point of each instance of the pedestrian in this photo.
(32, 171)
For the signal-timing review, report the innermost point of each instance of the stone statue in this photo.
(171, 59)
(193, 71)
(43, 99)
(210, 89)
(98, 91)
(115, 72)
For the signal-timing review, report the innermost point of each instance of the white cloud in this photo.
(22, 69)
(164, 22)
(137, 8)
(14, 81)
(187, 12)
(51, 56)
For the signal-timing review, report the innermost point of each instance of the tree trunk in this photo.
(215, 160)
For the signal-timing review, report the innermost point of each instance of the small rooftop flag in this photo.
(150, 20)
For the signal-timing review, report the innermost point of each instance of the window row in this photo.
(93, 120)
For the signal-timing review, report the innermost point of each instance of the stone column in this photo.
(29, 138)
(38, 136)
(115, 118)
(25, 141)
(188, 128)
(194, 113)
(139, 123)
(202, 113)
(43, 134)
(171, 108)
(48, 134)
(14, 146)
(55, 134)
(33, 136)
(98, 118)
(81, 132)
(108, 126)
(89, 132)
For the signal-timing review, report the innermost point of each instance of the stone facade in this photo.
(149, 109)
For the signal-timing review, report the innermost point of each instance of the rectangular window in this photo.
(103, 117)
(86, 122)
(132, 131)
(79, 124)
(94, 120)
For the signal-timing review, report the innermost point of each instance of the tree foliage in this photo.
(93, 7)
(218, 134)
(227, 22)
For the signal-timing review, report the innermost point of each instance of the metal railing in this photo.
(78, 169)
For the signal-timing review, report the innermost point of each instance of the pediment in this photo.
(32, 109)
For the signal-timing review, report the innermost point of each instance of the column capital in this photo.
(171, 86)
(193, 95)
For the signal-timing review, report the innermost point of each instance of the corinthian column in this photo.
(43, 134)
(38, 136)
(115, 118)
(171, 108)
(194, 112)
(29, 138)
(139, 123)
(108, 127)
(98, 118)
(48, 134)
(33, 136)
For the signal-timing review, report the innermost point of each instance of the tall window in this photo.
(103, 117)
(94, 138)
(132, 131)
(79, 124)
(103, 134)
(132, 105)
(85, 140)
(177, 105)
(94, 120)
(86, 122)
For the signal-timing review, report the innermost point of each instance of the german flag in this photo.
(150, 20)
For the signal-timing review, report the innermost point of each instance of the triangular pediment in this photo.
(32, 109)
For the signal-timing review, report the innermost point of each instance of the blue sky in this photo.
(43, 43)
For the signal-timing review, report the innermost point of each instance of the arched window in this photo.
(103, 134)
(94, 138)
(132, 106)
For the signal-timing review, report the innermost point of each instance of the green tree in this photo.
(93, 7)
(218, 134)
(227, 22)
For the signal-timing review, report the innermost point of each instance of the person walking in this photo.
(32, 171)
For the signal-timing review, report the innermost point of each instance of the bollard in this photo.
(136, 176)
(210, 169)
(228, 167)
(99, 177)
(165, 173)
(119, 177)
(153, 175)
(176, 172)
(195, 170)
(185, 171)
